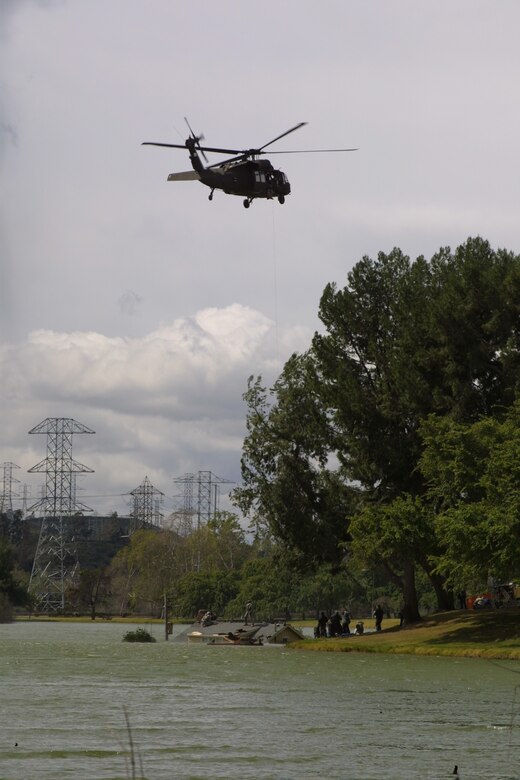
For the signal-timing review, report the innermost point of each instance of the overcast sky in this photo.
(139, 308)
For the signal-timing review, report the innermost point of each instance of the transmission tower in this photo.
(25, 495)
(6, 498)
(199, 500)
(55, 561)
(146, 502)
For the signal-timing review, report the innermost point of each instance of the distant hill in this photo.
(97, 538)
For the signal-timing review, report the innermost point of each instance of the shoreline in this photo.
(484, 634)
(488, 634)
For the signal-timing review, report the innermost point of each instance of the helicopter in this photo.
(243, 174)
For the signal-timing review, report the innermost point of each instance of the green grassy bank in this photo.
(478, 634)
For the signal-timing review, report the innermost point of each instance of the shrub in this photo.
(139, 635)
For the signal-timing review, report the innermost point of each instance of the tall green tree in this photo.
(404, 340)
(289, 487)
(145, 569)
(401, 340)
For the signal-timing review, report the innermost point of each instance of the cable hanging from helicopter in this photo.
(242, 174)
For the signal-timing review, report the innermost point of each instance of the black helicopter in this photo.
(243, 174)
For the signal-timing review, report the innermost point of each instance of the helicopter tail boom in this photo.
(184, 176)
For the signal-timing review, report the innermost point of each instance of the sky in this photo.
(138, 307)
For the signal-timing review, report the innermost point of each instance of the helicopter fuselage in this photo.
(246, 178)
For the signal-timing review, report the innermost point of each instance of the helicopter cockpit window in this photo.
(260, 177)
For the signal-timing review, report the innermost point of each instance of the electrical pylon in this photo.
(6, 499)
(146, 502)
(55, 561)
(200, 497)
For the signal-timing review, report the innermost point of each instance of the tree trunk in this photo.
(406, 583)
(444, 596)
(411, 607)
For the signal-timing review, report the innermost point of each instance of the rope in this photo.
(275, 281)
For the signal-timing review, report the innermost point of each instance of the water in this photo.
(245, 712)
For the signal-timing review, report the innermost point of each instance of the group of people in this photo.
(338, 624)
(335, 625)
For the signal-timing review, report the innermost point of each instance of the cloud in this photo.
(171, 371)
(161, 405)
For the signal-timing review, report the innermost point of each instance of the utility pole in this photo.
(55, 561)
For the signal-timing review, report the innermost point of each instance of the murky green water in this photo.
(232, 712)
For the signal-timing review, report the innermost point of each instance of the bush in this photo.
(139, 635)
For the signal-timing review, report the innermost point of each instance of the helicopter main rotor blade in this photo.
(310, 151)
(296, 127)
(215, 149)
(189, 128)
(218, 150)
(156, 143)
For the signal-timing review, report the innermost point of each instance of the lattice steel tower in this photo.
(146, 501)
(55, 561)
(200, 497)
(6, 498)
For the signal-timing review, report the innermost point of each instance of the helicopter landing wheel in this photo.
(210, 196)
(281, 199)
(247, 203)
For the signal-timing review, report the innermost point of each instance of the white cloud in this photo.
(162, 404)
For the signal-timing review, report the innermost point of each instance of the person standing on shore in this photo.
(248, 615)
(378, 614)
(322, 624)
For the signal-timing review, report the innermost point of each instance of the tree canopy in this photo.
(473, 473)
(331, 460)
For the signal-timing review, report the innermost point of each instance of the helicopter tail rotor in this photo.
(197, 139)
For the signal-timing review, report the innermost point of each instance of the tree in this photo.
(12, 592)
(288, 486)
(401, 340)
(208, 590)
(270, 585)
(94, 588)
(145, 569)
(404, 340)
(327, 589)
(473, 472)
(219, 544)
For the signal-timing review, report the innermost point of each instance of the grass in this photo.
(99, 619)
(478, 634)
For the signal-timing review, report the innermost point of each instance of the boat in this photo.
(242, 636)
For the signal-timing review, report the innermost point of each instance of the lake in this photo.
(245, 712)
